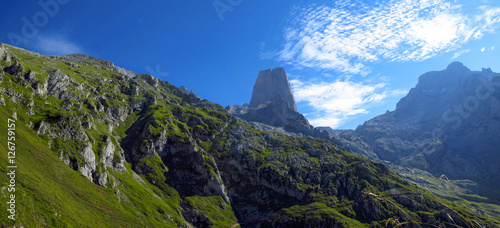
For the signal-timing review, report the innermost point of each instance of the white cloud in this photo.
(482, 49)
(488, 20)
(337, 101)
(57, 45)
(327, 121)
(348, 35)
(459, 53)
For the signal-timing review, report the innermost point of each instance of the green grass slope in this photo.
(51, 194)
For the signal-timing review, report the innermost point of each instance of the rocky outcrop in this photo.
(108, 153)
(176, 149)
(306, 168)
(272, 104)
(89, 164)
(126, 72)
(58, 84)
(4, 54)
(270, 83)
(277, 113)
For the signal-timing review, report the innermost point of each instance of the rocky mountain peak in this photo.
(452, 75)
(457, 66)
(270, 83)
(448, 124)
(436, 91)
(273, 105)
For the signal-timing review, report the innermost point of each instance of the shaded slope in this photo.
(447, 125)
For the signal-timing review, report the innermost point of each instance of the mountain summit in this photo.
(448, 124)
(271, 83)
(273, 105)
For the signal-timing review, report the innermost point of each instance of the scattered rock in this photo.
(108, 153)
(184, 89)
(57, 84)
(149, 79)
(89, 164)
(15, 69)
(4, 54)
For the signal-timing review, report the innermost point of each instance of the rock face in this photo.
(272, 104)
(448, 124)
(272, 83)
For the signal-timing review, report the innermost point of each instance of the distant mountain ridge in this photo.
(449, 124)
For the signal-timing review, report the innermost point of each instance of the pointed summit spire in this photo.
(269, 84)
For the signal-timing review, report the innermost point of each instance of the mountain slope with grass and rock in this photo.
(103, 147)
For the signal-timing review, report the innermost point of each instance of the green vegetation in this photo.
(49, 193)
(311, 214)
(459, 192)
(157, 170)
(329, 186)
(69, 147)
(214, 208)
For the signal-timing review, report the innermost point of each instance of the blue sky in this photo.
(347, 61)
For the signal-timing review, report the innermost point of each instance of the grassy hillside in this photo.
(51, 194)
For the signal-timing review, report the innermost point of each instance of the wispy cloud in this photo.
(488, 19)
(348, 35)
(57, 45)
(335, 102)
(459, 53)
